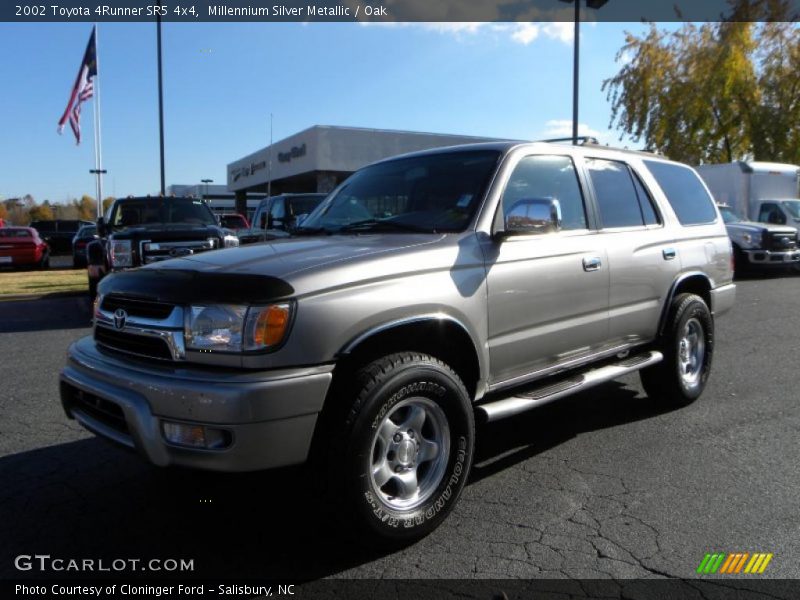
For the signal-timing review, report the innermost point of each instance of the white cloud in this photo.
(521, 33)
(562, 128)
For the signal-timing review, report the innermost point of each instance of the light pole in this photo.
(99, 173)
(206, 181)
(596, 4)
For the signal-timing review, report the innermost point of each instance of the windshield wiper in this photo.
(382, 225)
(297, 231)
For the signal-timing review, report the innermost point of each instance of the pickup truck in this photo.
(426, 292)
(760, 245)
(138, 231)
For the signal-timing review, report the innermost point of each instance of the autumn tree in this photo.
(41, 212)
(716, 92)
(107, 202)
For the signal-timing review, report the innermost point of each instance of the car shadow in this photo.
(502, 444)
(89, 498)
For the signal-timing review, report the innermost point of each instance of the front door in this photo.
(548, 292)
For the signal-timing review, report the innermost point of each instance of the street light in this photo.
(206, 181)
(596, 4)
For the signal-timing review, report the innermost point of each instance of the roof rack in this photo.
(581, 139)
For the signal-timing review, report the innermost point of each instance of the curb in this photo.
(50, 296)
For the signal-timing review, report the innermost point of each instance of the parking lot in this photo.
(603, 484)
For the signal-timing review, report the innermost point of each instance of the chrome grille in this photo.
(140, 328)
(157, 251)
(779, 241)
(137, 308)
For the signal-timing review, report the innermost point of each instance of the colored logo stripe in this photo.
(734, 563)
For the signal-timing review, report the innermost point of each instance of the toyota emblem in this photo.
(120, 316)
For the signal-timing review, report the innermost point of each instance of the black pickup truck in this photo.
(141, 230)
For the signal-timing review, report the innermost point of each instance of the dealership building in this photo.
(317, 159)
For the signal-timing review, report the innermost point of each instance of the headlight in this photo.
(121, 253)
(235, 328)
(231, 241)
(752, 240)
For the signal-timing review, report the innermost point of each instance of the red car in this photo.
(22, 246)
(234, 221)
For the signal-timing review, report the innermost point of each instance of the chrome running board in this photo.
(512, 405)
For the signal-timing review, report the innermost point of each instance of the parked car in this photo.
(760, 245)
(22, 247)
(275, 217)
(428, 291)
(142, 230)
(234, 221)
(58, 233)
(85, 234)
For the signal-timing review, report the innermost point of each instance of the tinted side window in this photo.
(689, 199)
(645, 202)
(616, 196)
(548, 177)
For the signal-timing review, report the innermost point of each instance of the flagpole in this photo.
(98, 151)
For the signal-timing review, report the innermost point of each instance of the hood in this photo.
(163, 232)
(756, 227)
(292, 257)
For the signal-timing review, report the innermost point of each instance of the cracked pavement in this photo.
(600, 485)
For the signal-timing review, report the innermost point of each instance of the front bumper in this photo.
(270, 415)
(763, 258)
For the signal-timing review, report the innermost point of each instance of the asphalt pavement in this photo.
(604, 484)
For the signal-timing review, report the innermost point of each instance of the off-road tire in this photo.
(387, 390)
(681, 377)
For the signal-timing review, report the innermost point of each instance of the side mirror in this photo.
(101, 227)
(94, 253)
(533, 216)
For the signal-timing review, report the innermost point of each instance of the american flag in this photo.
(81, 91)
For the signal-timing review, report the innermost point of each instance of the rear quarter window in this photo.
(685, 192)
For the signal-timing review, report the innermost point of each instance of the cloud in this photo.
(521, 33)
(562, 128)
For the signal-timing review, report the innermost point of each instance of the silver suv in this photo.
(426, 292)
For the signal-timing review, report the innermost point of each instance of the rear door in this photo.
(642, 257)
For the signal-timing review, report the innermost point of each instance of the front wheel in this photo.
(688, 346)
(398, 464)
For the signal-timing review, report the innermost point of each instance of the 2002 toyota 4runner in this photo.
(427, 291)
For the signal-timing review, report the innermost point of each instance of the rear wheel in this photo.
(397, 464)
(688, 345)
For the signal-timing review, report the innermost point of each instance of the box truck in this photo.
(758, 191)
(760, 203)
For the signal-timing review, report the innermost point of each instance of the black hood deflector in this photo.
(178, 286)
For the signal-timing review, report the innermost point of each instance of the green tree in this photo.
(716, 92)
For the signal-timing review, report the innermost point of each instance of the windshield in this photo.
(434, 193)
(156, 211)
(14, 233)
(728, 215)
(302, 205)
(793, 206)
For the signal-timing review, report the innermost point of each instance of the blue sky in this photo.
(223, 80)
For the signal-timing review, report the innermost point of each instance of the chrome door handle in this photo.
(592, 264)
(669, 253)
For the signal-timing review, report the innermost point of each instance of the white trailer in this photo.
(758, 191)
